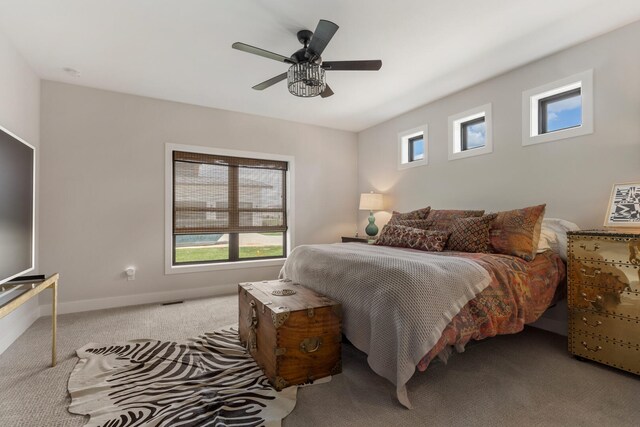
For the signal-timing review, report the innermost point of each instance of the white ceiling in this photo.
(180, 50)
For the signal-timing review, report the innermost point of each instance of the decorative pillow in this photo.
(413, 215)
(517, 232)
(553, 235)
(442, 218)
(423, 224)
(413, 238)
(470, 234)
(548, 240)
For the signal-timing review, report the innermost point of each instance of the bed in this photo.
(402, 326)
(519, 293)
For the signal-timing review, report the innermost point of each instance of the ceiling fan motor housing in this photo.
(304, 36)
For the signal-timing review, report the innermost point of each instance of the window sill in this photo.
(581, 130)
(471, 153)
(236, 265)
(415, 163)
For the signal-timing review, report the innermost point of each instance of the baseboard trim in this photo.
(20, 320)
(138, 299)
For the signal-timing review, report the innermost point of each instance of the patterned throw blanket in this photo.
(396, 302)
(210, 380)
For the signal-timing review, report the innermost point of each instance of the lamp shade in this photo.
(371, 202)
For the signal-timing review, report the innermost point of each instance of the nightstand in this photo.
(351, 239)
(604, 297)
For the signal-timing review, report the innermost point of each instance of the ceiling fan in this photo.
(306, 74)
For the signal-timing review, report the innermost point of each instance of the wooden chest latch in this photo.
(252, 342)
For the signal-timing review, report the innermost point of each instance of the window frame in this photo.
(232, 263)
(411, 151)
(405, 147)
(464, 145)
(457, 135)
(532, 115)
(543, 105)
(234, 248)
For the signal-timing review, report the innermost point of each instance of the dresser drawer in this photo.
(624, 304)
(612, 353)
(618, 277)
(605, 248)
(586, 322)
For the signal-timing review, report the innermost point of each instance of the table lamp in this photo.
(371, 202)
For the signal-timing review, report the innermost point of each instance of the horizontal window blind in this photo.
(223, 194)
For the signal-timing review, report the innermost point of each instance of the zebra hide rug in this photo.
(210, 380)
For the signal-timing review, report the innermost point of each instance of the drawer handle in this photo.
(584, 297)
(594, 349)
(596, 246)
(594, 325)
(310, 345)
(595, 273)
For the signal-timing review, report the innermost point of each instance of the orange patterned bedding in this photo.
(519, 293)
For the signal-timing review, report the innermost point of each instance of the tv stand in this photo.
(29, 290)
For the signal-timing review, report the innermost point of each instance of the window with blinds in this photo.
(228, 208)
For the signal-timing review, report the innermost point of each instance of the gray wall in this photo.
(103, 190)
(573, 176)
(19, 113)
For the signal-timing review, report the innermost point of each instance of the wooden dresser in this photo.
(604, 297)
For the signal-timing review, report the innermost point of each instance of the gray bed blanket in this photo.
(395, 302)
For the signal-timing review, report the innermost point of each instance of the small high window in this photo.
(412, 148)
(416, 148)
(558, 110)
(470, 133)
(474, 134)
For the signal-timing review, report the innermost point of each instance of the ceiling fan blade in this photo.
(268, 83)
(261, 52)
(322, 36)
(369, 65)
(327, 92)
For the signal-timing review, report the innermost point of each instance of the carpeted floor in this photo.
(526, 379)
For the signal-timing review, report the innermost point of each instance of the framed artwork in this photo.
(624, 206)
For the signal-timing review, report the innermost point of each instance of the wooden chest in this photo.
(292, 332)
(604, 298)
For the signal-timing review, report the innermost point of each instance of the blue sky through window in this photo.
(476, 135)
(565, 113)
(418, 149)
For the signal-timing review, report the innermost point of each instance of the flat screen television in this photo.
(17, 206)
